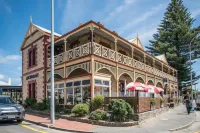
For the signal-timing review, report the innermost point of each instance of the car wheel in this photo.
(19, 121)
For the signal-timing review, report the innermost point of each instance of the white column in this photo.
(65, 46)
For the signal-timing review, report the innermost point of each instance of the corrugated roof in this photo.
(3, 83)
(46, 30)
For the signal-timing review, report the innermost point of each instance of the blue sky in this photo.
(127, 17)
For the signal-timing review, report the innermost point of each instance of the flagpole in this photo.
(52, 63)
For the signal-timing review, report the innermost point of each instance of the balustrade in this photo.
(71, 54)
(109, 54)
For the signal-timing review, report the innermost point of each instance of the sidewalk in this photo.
(174, 118)
(62, 124)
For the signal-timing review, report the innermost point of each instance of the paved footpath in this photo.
(174, 118)
(194, 128)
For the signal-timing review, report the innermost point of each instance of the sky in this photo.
(127, 17)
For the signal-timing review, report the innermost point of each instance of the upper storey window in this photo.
(32, 57)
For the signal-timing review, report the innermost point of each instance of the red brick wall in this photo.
(157, 100)
(144, 104)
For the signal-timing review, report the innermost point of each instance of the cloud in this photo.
(145, 34)
(2, 76)
(6, 59)
(196, 13)
(119, 9)
(138, 19)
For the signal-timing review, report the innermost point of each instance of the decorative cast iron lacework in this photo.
(85, 66)
(99, 66)
(123, 71)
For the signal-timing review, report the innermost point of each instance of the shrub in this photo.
(80, 109)
(98, 101)
(67, 111)
(41, 106)
(119, 109)
(152, 102)
(98, 115)
(29, 102)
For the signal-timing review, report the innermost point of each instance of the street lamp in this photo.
(52, 63)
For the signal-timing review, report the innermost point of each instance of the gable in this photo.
(162, 58)
(137, 43)
(34, 32)
(31, 35)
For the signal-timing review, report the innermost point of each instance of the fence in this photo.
(141, 104)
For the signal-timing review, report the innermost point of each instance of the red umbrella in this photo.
(136, 86)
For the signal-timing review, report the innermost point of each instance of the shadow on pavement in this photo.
(8, 123)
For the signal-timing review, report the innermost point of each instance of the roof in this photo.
(33, 27)
(46, 30)
(4, 96)
(162, 58)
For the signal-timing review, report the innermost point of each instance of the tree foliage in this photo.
(173, 37)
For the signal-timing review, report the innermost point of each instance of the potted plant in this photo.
(152, 103)
(161, 102)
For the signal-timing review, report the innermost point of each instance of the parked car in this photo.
(10, 110)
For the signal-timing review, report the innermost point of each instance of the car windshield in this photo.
(6, 100)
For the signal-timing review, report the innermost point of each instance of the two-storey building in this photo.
(90, 60)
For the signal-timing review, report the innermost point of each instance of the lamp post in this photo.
(52, 63)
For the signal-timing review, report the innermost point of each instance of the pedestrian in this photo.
(188, 105)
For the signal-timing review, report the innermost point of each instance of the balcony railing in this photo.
(109, 54)
(71, 54)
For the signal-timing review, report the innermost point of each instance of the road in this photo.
(25, 127)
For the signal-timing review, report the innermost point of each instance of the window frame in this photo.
(74, 87)
(32, 57)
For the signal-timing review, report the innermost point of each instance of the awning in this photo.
(136, 86)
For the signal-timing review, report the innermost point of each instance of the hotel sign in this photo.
(32, 76)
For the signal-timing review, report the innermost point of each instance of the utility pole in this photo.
(52, 63)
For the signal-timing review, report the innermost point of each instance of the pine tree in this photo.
(173, 37)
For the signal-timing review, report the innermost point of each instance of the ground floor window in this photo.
(59, 92)
(32, 90)
(78, 92)
(102, 87)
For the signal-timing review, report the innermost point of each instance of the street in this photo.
(25, 127)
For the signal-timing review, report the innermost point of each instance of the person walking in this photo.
(188, 105)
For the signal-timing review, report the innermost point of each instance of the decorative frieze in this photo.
(99, 65)
(85, 66)
(137, 75)
(123, 71)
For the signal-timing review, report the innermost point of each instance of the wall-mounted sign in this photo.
(32, 76)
